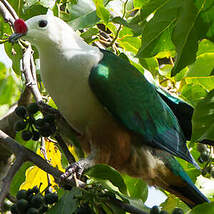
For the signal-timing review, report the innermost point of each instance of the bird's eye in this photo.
(43, 23)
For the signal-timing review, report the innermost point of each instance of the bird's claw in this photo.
(75, 168)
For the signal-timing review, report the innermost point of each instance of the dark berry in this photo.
(35, 190)
(201, 147)
(27, 135)
(205, 156)
(21, 194)
(21, 111)
(39, 123)
(177, 211)
(43, 209)
(37, 201)
(155, 210)
(33, 108)
(84, 209)
(49, 118)
(200, 160)
(32, 210)
(51, 198)
(36, 135)
(22, 205)
(20, 125)
(45, 132)
(13, 209)
(29, 194)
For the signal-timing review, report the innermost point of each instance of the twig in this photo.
(6, 14)
(44, 152)
(118, 31)
(27, 64)
(8, 178)
(10, 9)
(127, 207)
(65, 149)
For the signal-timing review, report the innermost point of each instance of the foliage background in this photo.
(170, 41)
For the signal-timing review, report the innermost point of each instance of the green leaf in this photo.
(137, 188)
(68, 203)
(189, 29)
(106, 172)
(90, 35)
(84, 21)
(34, 10)
(102, 13)
(193, 93)
(203, 119)
(19, 178)
(156, 36)
(150, 6)
(151, 64)
(14, 52)
(206, 82)
(138, 3)
(205, 208)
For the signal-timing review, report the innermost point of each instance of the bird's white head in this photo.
(46, 30)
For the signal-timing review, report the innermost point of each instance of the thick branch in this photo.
(29, 73)
(6, 14)
(10, 9)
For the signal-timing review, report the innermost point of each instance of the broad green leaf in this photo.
(79, 8)
(9, 91)
(156, 36)
(138, 3)
(17, 6)
(189, 29)
(151, 64)
(137, 188)
(171, 202)
(150, 6)
(14, 52)
(68, 202)
(101, 12)
(203, 119)
(193, 93)
(90, 35)
(19, 178)
(34, 10)
(82, 22)
(205, 208)
(207, 17)
(106, 172)
(206, 82)
(205, 46)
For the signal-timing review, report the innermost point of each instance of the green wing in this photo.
(124, 91)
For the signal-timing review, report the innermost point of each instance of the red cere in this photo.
(20, 26)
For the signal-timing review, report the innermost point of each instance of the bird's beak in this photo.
(15, 36)
(20, 29)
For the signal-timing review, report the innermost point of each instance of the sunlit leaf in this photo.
(35, 176)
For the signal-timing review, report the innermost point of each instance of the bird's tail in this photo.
(180, 184)
(189, 194)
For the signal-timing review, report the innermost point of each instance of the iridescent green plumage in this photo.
(138, 105)
(135, 102)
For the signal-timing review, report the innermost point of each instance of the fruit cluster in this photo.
(31, 201)
(205, 153)
(205, 157)
(32, 128)
(156, 210)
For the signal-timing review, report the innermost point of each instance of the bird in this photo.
(124, 120)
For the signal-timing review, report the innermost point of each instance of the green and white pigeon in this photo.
(120, 115)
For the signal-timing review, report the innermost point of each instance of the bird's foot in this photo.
(75, 170)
